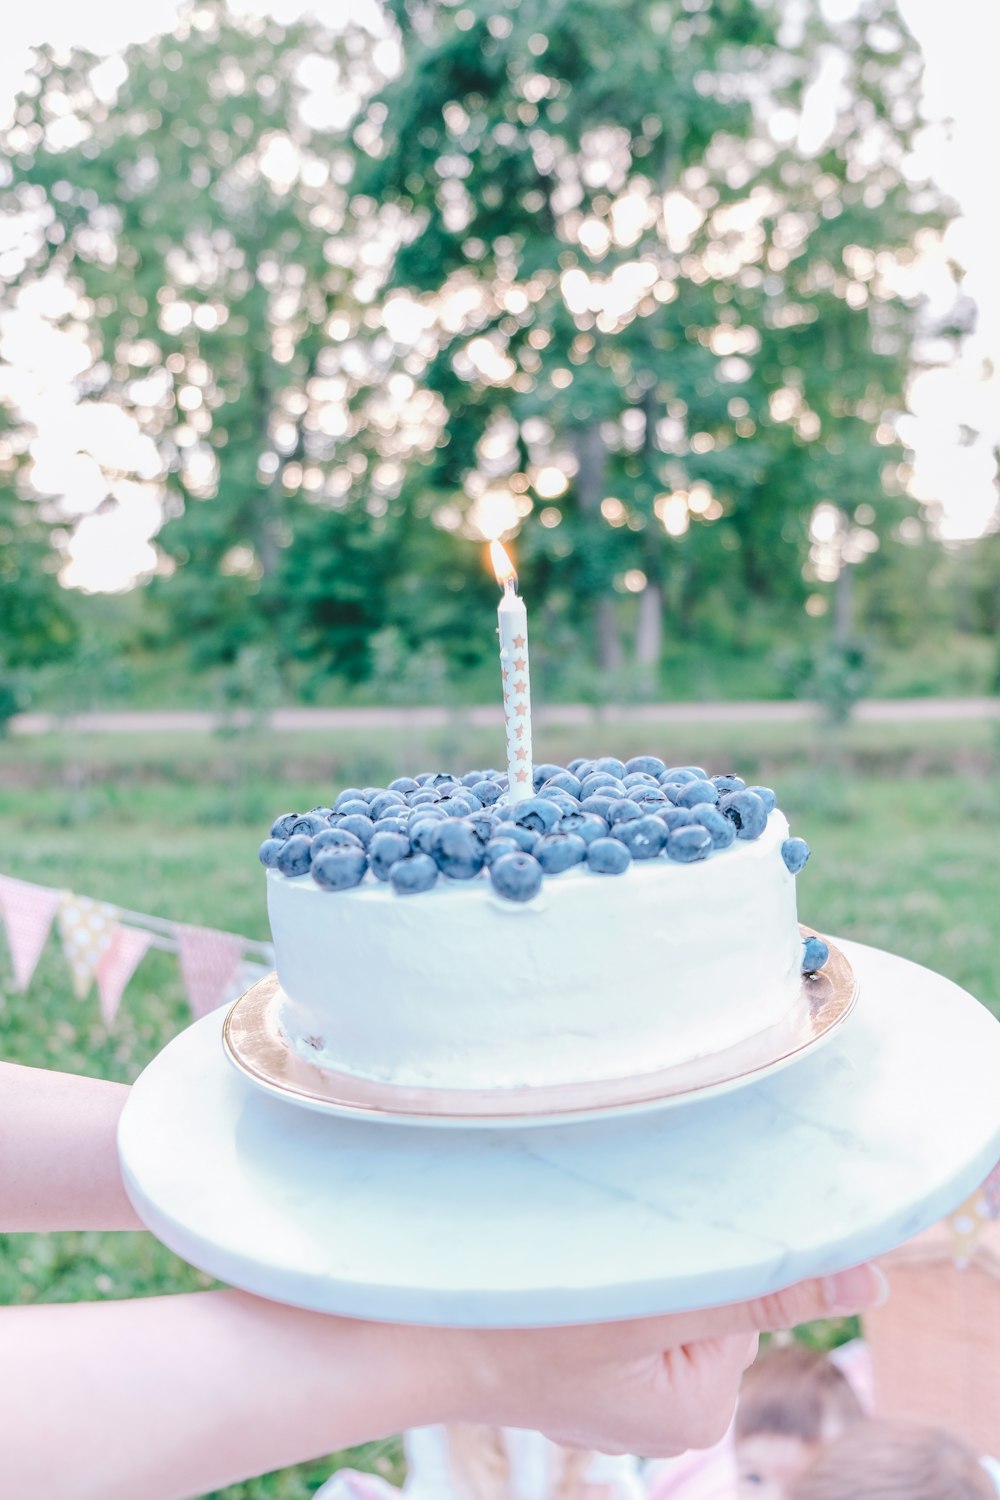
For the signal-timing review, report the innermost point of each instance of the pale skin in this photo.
(168, 1397)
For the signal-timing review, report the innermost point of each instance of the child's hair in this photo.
(792, 1391)
(882, 1460)
(480, 1468)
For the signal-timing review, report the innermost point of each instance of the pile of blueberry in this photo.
(601, 814)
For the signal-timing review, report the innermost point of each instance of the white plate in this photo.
(865, 1142)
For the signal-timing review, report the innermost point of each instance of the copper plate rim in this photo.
(255, 1044)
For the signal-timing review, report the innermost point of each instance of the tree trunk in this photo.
(843, 605)
(649, 634)
(592, 457)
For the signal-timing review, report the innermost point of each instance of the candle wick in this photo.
(510, 587)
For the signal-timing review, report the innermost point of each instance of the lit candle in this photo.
(512, 618)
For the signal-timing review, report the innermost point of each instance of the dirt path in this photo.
(287, 720)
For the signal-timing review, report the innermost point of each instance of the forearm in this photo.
(171, 1397)
(58, 1154)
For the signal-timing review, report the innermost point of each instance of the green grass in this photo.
(901, 819)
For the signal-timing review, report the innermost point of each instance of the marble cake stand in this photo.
(837, 1158)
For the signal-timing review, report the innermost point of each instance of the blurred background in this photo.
(692, 303)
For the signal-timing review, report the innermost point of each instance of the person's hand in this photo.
(652, 1386)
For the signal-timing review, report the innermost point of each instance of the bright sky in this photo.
(960, 41)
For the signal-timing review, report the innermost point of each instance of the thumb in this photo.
(837, 1296)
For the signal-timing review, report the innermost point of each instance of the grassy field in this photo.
(901, 818)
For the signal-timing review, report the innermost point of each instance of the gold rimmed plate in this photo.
(255, 1044)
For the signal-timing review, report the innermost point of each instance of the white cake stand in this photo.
(837, 1158)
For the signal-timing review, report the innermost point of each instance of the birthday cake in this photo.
(627, 917)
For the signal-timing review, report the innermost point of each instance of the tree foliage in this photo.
(598, 259)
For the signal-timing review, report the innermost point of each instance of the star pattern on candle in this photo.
(520, 664)
(521, 775)
(522, 754)
(520, 641)
(519, 731)
(520, 710)
(520, 686)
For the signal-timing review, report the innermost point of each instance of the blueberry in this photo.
(586, 826)
(339, 869)
(269, 851)
(417, 872)
(649, 797)
(747, 811)
(729, 783)
(425, 797)
(385, 850)
(644, 837)
(814, 954)
(679, 817)
(356, 807)
(672, 789)
(537, 813)
(524, 838)
(678, 774)
(461, 807)
(380, 805)
(458, 850)
(638, 778)
(690, 843)
(349, 794)
(487, 792)
(451, 788)
(359, 824)
(766, 796)
(335, 838)
(496, 848)
(403, 784)
(559, 851)
(794, 852)
(573, 766)
(471, 778)
(517, 877)
(392, 825)
(368, 792)
(597, 780)
(423, 835)
(623, 811)
(598, 805)
(693, 793)
(427, 812)
(541, 774)
(610, 766)
(721, 828)
(566, 782)
(608, 857)
(282, 827)
(441, 779)
(562, 799)
(484, 824)
(649, 765)
(294, 855)
(322, 812)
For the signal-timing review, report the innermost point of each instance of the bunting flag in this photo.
(28, 911)
(87, 927)
(116, 966)
(969, 1222)
(210, 961)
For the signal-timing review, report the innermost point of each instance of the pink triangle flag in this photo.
(116, 966)
(28, 911)
(209, 962)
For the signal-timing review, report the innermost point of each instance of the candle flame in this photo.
(503, 568)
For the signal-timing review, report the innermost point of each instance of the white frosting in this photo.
(598, 977)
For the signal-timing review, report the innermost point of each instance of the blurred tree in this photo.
(191, 197)
(38, 627)
(645, 265)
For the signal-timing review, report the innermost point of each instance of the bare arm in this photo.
(168, 1397)
(58, 1156)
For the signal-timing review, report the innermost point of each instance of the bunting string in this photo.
(104, 945)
